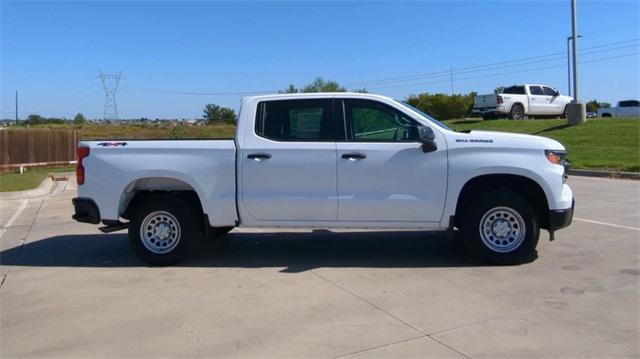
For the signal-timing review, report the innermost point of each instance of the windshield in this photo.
(438, 123)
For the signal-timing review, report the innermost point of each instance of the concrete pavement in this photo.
(68, 290)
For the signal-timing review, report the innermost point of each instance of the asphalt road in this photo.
(68, 290)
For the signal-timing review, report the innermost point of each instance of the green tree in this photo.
(214, 114)
(317, 85)
(79, 119)
(443, 106)
(291, 89)
(178, 132)
(594, 105)
(35, 120)
(320, 85)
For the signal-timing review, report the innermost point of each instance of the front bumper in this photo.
(561, 218)
(86, 210)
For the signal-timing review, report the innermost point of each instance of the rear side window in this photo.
(296, 120)
(535, 90)
(514, 90)
(630, 103)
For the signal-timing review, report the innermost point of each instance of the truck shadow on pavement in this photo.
(292, 251)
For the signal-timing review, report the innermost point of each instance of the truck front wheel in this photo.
(163, 229)
(501, 227)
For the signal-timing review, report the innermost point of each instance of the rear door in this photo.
(382, 176)
(289, 162)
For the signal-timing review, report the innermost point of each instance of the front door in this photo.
(289, 162)
(554, 104)
(382, 175)
(538, 101)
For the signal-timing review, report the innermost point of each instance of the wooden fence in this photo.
(31, 146)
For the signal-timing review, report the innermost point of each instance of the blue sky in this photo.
(51, 52)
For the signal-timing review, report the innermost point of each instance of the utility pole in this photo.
(568, 68)
(451, 73)
(569, 64)
(574, 34)
(16, 106)
(576, 111)
(110, 84)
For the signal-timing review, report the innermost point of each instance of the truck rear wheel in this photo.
(501, 227)
(517, 112)
(163, 230)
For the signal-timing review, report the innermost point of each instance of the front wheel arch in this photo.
(523, 186)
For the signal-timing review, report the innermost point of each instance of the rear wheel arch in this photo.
(145, 189)
(516, 105)
(525, 187)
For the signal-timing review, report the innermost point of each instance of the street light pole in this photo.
(569, 64)
(576, 112)
(574, 21)
(568, 68)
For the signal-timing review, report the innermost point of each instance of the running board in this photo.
(112, 226)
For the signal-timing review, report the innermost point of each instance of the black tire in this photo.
(517, 112)
(501, 205)
(170, 212)
(565, 113)
(220, 231)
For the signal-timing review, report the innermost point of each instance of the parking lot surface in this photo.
(68, 290)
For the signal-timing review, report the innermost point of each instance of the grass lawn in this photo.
(598, 143)
(30, 179)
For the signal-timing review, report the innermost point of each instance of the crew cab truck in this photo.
(627, 108)
(328, 160)
(518, 102)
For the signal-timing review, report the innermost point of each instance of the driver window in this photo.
(548, 91)
(535, 90)
(371, 121)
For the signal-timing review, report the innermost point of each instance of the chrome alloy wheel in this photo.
(160, 232)
(502, 229)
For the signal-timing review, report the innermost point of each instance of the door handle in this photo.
(354, 156)
(259, 156)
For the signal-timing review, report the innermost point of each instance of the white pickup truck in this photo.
(627, 108)
(518, 102)
(328, 160)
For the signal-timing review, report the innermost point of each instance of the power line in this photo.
(497, 65)
(546, 58)
(504, 73)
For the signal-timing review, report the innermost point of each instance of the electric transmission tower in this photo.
(110, 84)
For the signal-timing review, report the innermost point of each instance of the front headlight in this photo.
(558, 157)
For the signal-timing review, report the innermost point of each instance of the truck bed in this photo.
(115, 169)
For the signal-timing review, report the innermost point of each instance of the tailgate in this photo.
(482, 101)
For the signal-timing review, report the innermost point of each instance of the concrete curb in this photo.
(46, 187)
(605, 174)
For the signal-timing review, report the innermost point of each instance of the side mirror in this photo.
(424, 135)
